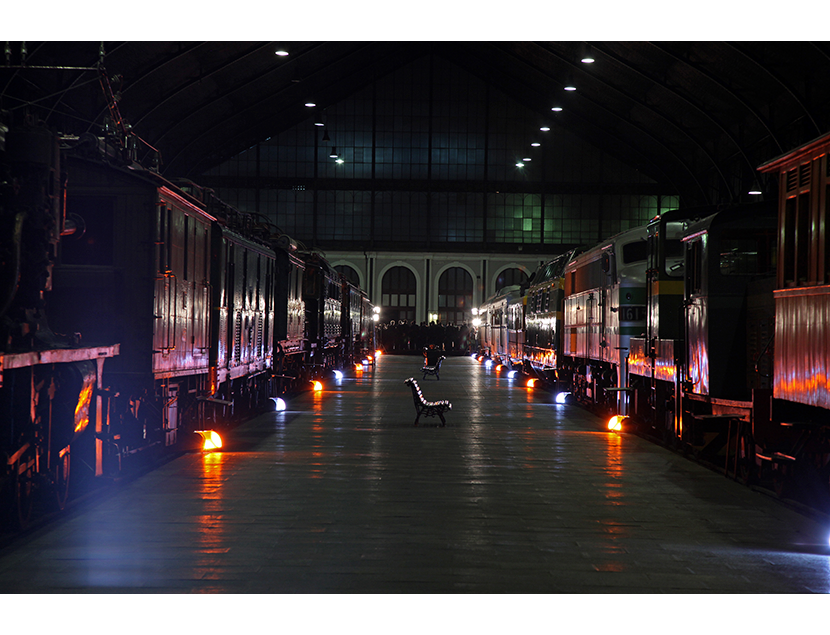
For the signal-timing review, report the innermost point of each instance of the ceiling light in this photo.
(282, 52)
(520, 165)
(755, 192)
(339, 160)
(326, 136)
(333, 154)
(587, 55)
(570, 86)
(535, 144)
(526, 159)
(544, 129)
(558, 108)
(310, 104)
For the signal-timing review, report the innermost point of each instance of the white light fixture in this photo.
(333, 153)
(520, 164)
(587, 56)
(526, 159)
(558, 108)
(339, 160)
(282, 52)
(535, 144)
(545, 129)
(310, 104)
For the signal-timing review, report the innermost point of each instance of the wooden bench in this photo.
(427, 408)
(432, 368)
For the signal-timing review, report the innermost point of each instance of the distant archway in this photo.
(398, 291)
(455, 296)
(349, 273)
(510, 277)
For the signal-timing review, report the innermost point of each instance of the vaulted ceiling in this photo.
(697, 116)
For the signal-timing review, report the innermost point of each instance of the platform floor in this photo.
(341, 494)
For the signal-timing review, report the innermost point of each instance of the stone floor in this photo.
(341, 494)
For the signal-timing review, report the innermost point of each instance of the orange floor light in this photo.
(615, 423)
(211, 440)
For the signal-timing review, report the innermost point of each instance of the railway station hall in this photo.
(483, 334)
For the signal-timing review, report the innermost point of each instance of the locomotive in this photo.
(138, 311)
(706, 330)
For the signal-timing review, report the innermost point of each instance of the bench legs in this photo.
(437, 412)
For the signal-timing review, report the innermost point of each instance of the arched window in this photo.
(509, 277)
(455, 296)
(349, 273)
(398, 289)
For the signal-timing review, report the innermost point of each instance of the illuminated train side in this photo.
(544, 316)
(604, 306)
(179, 314)
(501, 334)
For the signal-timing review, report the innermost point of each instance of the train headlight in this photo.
(210, 440)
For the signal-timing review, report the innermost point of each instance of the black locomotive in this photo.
(136, 311)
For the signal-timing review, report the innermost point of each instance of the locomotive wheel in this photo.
(60, 480)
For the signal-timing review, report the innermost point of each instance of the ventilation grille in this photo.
(804, 172)
(237, 338)
(792, 179)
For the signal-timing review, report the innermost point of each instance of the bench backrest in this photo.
(417, 395)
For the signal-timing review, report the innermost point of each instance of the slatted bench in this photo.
(434, 368)
(427, 408)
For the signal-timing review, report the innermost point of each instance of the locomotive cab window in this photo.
(673, 257)
(635, 252)
(741, 255)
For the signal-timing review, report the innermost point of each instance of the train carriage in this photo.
(605, 305)
(501, 334)
(544, 305)
(323, 298)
